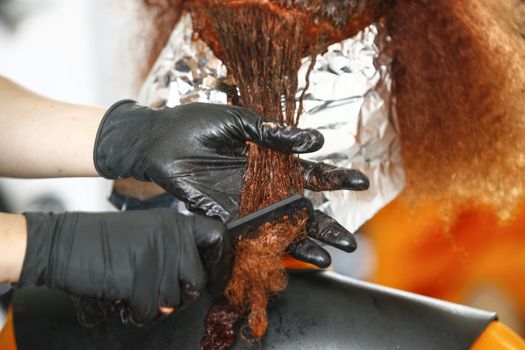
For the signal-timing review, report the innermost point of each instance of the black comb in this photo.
(287, 207)
(247, 224)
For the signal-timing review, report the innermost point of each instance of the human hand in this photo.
(325, 177)
(149, 259)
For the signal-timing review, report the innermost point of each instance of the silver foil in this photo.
(186, 71)
(348, 100)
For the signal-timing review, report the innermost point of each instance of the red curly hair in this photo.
(459, 84)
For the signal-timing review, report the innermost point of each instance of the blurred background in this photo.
(71, 50)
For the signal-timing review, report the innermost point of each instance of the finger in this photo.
(192, 275)
(143, 310)
(172, 258)
(329, 231)
(320, 176)
(266, 132)
(308, 251)
(170, 295)
(216, 250)
(144, 298)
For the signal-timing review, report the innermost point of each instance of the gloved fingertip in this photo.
(312, 253)
(344, 179)
(216, 246)
(346, 245)
(320, 260)
(141, 319)
(331, 232)
(308, 141)
(360, 182)
(189, 295)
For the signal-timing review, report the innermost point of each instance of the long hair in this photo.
(459, 82)
(159, 18)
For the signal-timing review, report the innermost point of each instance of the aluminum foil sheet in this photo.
(348, 100)
(186, 71)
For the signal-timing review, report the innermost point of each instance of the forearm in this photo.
(13, 239)
(40, 137)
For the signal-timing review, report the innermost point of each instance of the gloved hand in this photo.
(197, 153)
(148, 259)
(325, 177)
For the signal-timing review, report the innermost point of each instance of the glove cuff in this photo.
(39, 241)
(113, 154)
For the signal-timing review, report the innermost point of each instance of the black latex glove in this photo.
(325, 177)
(197, 153)
(148, 259)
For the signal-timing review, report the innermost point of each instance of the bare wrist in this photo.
(13, 238)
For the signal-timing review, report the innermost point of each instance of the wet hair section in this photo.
(260, 51)
(262, 44)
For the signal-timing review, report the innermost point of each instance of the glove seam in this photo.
(99, 132)
(21, 282)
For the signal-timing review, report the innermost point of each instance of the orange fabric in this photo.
(294, 264)
(497, 336)
(416, 252)
(7, 334)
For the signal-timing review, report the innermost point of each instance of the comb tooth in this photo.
(287, 207)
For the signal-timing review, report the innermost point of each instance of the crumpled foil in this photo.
(348, 100)
(186, 71)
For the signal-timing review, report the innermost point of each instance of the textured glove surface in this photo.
(195, 151)
(147, 258)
